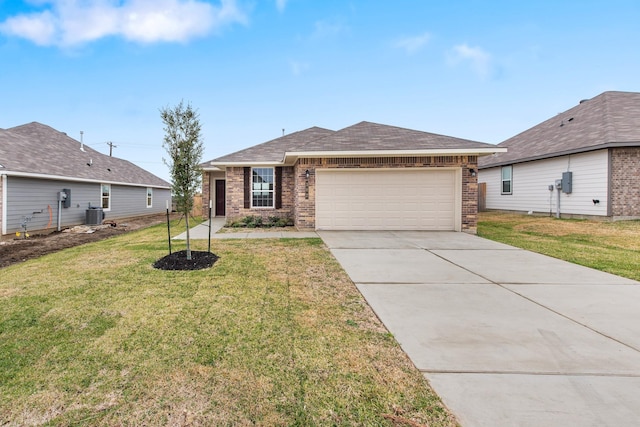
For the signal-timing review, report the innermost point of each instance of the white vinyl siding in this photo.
(590, 181)
(388, 199)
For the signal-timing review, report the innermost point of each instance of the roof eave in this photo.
(396, 153)
(211, 168)
(290, 157)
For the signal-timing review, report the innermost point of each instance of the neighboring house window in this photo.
(262, 188)
(149, 197)
(507, 179)
(106, 196)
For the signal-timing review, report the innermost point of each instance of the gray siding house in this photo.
(584, 162)
(38, 163)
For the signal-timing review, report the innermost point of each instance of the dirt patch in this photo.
(17, 250)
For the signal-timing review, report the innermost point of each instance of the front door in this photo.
(220, 197)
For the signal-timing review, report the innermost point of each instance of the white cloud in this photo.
(479, 60)
(39, 28)
(298, 67)
(327, 29)
(76, 22)
(413, 44)
(280, 5)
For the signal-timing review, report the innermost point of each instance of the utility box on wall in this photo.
(66, 203)
(567, 182)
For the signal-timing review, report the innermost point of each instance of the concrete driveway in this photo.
(506, 337)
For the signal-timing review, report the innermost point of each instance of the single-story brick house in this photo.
(584, 162)
(364, 177)
(38, 163)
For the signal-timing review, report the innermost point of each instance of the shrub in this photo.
(254, 221)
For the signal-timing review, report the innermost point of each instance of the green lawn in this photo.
(274, 334)
(613, 247)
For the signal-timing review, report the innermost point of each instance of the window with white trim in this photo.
(106, 197)
(149, 197)
(262, 188)
(507, 180)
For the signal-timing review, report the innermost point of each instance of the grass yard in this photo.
(613, 247)
(274, 334)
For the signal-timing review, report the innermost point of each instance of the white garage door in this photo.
(408, 199)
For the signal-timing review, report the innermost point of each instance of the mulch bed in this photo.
(178, 261)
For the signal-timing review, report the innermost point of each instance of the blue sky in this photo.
(482, 70)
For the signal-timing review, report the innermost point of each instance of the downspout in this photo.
(3, 218)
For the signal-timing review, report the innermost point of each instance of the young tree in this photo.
(183, 142)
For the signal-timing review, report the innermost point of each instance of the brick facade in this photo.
(235, 196)
(298, 192)
(625, 183)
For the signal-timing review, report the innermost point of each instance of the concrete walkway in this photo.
(506, 337)
(201, 231)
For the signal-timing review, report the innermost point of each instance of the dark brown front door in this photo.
(220, 197)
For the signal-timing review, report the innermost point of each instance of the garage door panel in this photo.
(392, 200)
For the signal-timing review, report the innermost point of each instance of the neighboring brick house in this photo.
(594, 146)
(365, 177)
(38, 162)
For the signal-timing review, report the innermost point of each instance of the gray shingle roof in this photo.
(610, 119)
(35, 148)
(367, 136)
(362, 137)
(272, 151)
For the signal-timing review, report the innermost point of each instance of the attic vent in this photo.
(583, 100)
(562, 123)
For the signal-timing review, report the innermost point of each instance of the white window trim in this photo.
(273, 199)
(502, 181)
(149, 197)
(101, 197)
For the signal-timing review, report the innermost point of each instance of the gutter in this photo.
(72, 179)
(562, 153)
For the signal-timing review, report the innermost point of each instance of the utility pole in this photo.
(111, 146)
